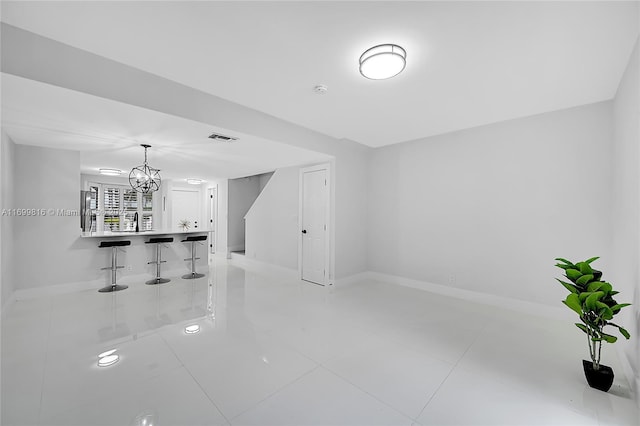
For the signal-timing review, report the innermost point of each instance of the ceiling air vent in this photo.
(222, 138)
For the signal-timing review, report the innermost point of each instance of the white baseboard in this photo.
(483, 298)
(260, 266)
(353, 279)
(538, 309)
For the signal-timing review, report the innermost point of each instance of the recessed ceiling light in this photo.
(110, 172)
(192, 181)
(383, 61)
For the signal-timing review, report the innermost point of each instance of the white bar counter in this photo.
(136, 256)
(106, 234)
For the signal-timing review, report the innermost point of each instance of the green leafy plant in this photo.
(592, 299)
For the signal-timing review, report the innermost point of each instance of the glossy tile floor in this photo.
(271, 351)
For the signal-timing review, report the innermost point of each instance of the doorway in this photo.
(313, 259)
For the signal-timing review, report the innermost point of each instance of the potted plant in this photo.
(592, 299)
(184, 224)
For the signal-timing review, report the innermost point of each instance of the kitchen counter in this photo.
(106, 234)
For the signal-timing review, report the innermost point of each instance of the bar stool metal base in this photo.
(110, 288)
(192, 276)
(157, 281)
(158, 261)
(193, 240)
(113, 245)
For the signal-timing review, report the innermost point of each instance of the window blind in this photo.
(112, 208)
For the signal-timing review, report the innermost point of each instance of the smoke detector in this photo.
(222, 138)
(320, 89)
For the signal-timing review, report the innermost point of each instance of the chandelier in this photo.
(143, 178)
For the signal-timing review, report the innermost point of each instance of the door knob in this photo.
(304, 231)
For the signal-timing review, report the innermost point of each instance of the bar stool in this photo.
(193, 241)
(158, 261)
(114, 264)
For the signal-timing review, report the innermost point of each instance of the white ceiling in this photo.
(108, 134)
(468, 63)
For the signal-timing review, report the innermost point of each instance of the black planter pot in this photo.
(600, 379)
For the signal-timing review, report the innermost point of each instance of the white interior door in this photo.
(213, 218)
(314, 225)
(185, 205)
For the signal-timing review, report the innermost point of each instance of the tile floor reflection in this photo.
(273, 351)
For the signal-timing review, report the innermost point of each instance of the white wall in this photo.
(264, 179)
(7, 222)
(488, 209)
(626, 205)
(272, 222)
(46, 179)
(350, 196)
(242, 194)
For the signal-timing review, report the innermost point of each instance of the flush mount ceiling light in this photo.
(383, 61)
(192, 181)
(110, 172)
(143, 178)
